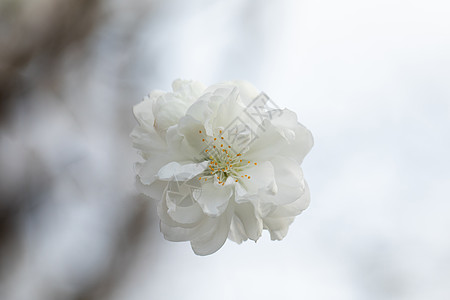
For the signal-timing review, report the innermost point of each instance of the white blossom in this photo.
(222, 162)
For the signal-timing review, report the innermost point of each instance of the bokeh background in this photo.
(370, 79)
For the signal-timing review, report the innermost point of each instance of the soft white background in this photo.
(370, 79)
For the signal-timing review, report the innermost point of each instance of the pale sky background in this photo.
(370, 79)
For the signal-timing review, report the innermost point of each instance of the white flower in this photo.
(221, 163)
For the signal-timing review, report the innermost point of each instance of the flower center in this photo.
(223, 161)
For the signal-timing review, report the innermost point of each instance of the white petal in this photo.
(201, 109)
(230, 108)
(268, 143)
(251, 222)
(174, 231)
(148, 141)
(246, 90)
(193, 132)
(181, 172)
(148, 170)
(302, 144)
(278, 227)
(143, 111)
(289, 181)
(155, 190)
(182, 232)
(213, 198)
(262, 180)
(299, 137)
(168, 109)
(237, 231)
(216, 236)
(188, 89)
(294, 208)
(182, 209)
(287, 171)
(179, 234)
(284, 119)
(279, 220)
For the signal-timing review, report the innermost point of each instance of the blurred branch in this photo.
(39, 32)
(129, 241)
(36, 33)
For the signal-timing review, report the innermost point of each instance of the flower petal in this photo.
(279, 220)
(155, 190)
(299, 137)
(180, 234)
(259, 179)
(148, 141)
(148, 170)
(181, 172)
(216, 236)
(182, 209)
(188, 89)
(252, 224)
(192, 132)
(301, 145)
(213, 198)
(168, 108)
(143, 111)
(268, 143)
(237, 231)
(289, 181)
